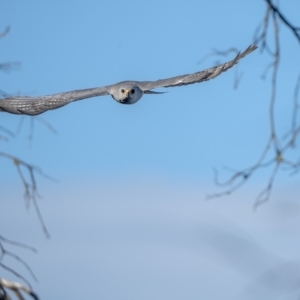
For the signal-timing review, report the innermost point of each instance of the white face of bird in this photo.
(127, 93)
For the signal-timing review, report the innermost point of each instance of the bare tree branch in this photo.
(17, 244)
(31, 192)
(275, 148)
(295, 110)
(7, 131)
(30, 185)
(295, 30)
(46, 124)
(4, 252)
(16, 288)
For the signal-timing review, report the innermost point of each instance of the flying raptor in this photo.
(125, 92)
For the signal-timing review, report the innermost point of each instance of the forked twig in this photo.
(30, 185)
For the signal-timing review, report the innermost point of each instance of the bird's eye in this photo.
(122, 90)
(132, 91)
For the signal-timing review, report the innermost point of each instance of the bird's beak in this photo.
(127, 92)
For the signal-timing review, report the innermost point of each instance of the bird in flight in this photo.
(125, 92)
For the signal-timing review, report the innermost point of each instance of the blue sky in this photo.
(128, 219)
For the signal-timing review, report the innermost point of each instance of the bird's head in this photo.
(126, 92)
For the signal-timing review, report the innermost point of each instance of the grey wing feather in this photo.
(37, 105)
(195, 77)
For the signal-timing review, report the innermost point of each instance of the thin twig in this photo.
(17, 244)
(4, 252)
(295, 30)
(30, 186)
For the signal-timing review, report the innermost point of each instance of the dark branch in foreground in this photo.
(16, 288)
(276, 148)
(5, 284)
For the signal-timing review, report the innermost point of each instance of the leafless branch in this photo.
(30, 185)
(46, 124)
(30, 194)
(295, 109)
(4, 252)
(17, 244)
(275, 10)
(16, 288)
(275, 147)
(7, 131)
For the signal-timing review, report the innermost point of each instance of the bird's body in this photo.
(125, 92)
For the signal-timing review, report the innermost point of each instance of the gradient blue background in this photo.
(128, 219)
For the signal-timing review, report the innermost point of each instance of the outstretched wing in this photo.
(37, 105)
(204, 75)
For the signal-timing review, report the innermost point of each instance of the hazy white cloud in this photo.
(153, 239)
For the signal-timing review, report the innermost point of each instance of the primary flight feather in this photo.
(125, 92)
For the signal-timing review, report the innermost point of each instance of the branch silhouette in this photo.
(14, 286)
(277, 148)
